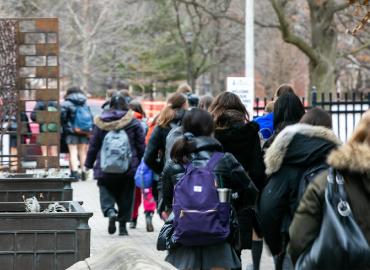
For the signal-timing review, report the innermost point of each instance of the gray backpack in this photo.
(115, 154)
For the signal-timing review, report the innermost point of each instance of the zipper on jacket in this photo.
(182, 211)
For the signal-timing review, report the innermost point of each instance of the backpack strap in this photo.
(216, 157)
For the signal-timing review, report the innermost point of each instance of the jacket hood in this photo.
(77, 98)
(237, 133)
(351, 157)
(206, 144)
(298, 145)
(114, 119)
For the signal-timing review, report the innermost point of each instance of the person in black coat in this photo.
(170, 117)
(297, 148)
(116, 188)
(240, 137)
(197, 147)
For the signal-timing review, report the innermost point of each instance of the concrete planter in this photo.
(45, 189)
(43, 241)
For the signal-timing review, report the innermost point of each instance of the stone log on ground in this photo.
(120, 257)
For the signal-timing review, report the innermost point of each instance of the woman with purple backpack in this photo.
(205, 232)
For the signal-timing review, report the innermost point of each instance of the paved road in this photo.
(139, 239)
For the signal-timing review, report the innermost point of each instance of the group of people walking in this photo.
(223, 183)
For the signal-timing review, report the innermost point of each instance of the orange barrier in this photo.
(152, 108)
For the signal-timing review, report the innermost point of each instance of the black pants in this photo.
(117, 191)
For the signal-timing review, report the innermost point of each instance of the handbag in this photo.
(165, 239)
(143, 176)
(340, 243)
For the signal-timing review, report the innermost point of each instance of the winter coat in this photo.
(243, 142)
(115, 120)
(266, 123)
(155, 151)
(68, 110)
(228, 170)
(297, 148)
(353, 162)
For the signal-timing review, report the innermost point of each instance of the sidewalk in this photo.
(138, 238)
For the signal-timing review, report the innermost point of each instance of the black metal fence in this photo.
(345, 110)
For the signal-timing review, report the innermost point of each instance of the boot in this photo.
(133, 223)
(112, 217)
(75, 176)
(148, 220)
(122, 229)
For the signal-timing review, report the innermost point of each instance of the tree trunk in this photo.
(324, 43)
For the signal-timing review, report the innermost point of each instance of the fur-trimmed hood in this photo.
(299, 144)
(351, 157)
(114, 120)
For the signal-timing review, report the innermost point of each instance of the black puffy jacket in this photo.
(297, 148)
(228, 169)
(154, 155)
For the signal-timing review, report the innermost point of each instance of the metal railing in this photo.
(345, 110)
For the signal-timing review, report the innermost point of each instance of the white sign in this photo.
(243, 87)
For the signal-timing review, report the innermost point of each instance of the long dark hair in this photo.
(136, 107)
(284, 88)
(118, 102)
(288, 110)
(174, 103)
(226, 101)
(196, 122)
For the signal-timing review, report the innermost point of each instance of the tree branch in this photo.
(266, 25)
(290, 37)
(338, 7)
(214, 14)
(364, 46)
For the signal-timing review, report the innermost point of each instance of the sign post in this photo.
(243, 87)
(249, 54)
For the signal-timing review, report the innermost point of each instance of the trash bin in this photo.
(43, 241)
(13, 189)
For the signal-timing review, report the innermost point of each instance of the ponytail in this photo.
(175, 102)
(166, 116)
(182, 148)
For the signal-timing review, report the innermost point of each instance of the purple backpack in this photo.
(200, 219)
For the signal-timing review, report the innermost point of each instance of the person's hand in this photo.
(164, 215)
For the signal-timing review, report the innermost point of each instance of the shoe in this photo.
(149, 223)
(75, 176)
(83, 176)
(112, 223)
(133, 223)
(122, 229)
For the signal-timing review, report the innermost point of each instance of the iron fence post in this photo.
(314, 96)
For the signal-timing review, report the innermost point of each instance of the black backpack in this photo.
(308, 176)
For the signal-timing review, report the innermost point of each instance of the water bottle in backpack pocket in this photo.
(200, 218)
(115, 154)
(83, 121)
